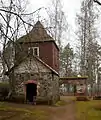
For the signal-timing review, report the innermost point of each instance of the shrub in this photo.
(4, 90)
(17, 99)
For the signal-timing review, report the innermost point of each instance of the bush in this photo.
(17, 99)
(4, 90)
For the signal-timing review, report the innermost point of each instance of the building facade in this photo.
(40, 44)
(37, 58)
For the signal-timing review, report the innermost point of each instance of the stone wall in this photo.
(55, 89)
(49, 85)
(48, 80)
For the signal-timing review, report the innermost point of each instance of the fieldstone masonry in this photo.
(49, 81)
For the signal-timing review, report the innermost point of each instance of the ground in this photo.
(89, 110)
(62, 110)
(66, 109)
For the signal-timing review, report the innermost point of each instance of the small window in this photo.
(34, 50)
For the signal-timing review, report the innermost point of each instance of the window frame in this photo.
(33, 50)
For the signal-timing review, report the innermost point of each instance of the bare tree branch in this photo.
(97, 2)
(33, 12)
(16, 15)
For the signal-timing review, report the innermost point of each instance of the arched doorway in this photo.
(31, 91)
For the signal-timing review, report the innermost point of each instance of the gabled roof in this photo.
(35, 57)
(38, 33)
(47, 65)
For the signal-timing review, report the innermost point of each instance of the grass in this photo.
(87, 111)
(15, 113)
(12, 111)
(65, 101)
(61, 103)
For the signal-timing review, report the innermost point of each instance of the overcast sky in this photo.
(70, 7)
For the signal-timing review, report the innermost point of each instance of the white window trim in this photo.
(37, 50)
(33, 50)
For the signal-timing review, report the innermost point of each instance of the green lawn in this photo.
(86, 110)
(15, 111)
(12, 111)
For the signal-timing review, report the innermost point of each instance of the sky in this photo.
(70, 7)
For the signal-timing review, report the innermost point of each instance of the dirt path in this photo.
(66, 112)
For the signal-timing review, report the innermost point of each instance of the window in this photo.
(36, 51)
(33, 50)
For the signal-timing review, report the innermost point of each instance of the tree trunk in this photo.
(12, 91)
